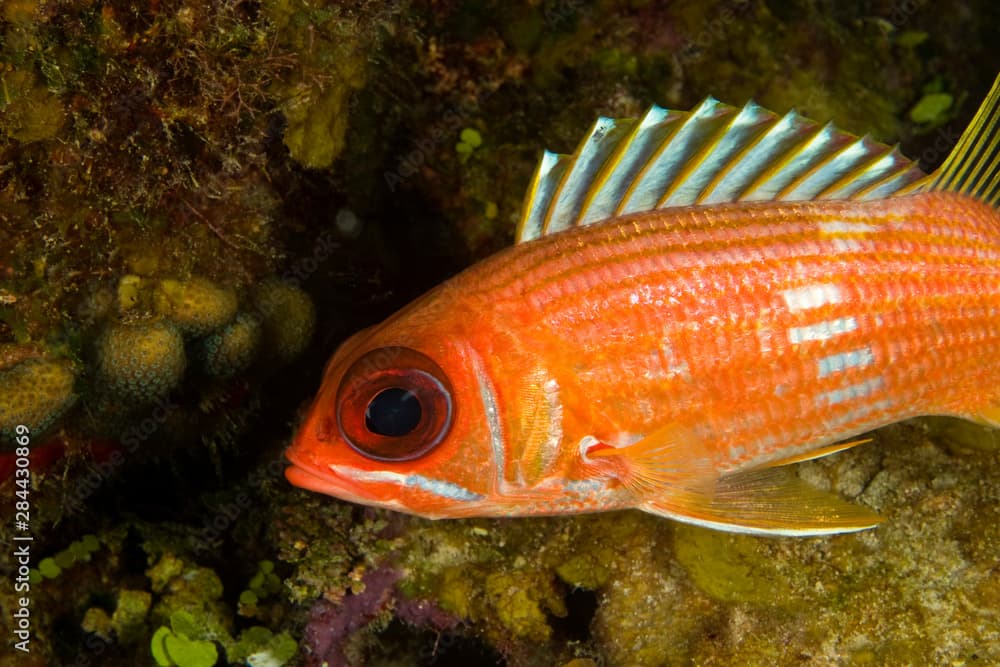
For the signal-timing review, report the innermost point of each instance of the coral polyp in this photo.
(289, 318)
(142, 361)
(233, 349)
(197, 305)
(34, 392)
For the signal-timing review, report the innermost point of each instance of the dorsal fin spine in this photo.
(783, 171)
(537, 198)
(973, 167)
(671, 156)
(765, 146)
(718, 153)
(872, 155)
(907, 180)
(835, 148)
(698, 172)
(622, 165)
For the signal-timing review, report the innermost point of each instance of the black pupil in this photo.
(393, 412)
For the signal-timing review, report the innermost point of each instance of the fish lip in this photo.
(319, 480)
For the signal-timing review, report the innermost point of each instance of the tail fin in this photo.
(973, 168)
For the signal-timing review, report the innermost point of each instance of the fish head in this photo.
(399, 421)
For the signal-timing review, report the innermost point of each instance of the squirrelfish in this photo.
(695, 299)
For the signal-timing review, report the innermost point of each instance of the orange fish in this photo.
(694, 299)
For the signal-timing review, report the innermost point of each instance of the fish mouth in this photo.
(324, 481)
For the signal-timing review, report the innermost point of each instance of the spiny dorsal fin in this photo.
(712, 154)
(973, 168)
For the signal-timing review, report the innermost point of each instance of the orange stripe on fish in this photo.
(695, 300)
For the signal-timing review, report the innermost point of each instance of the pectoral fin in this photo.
(765, 502)
(669, 457)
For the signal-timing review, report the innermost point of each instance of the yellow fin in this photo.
(763, 502)
(973, 168)
(669, 457)
(987, 417)
(818, 453)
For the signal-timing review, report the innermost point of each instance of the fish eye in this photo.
(393, 412)
(394, 404)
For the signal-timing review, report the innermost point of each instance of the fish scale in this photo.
(912, 265)
(696, 299)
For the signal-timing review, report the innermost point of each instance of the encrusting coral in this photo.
(231, 351)
(197, 306)
(288, 317)
(142, 361)
(34, 392)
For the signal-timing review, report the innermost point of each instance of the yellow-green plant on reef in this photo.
(192, 617)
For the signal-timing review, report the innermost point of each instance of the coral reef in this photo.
(191, 192)
(722, 597)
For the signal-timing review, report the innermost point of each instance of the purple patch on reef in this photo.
(424, 614)
(331, 625)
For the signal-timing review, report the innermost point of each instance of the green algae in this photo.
(735, 568)
(932, 109)
(192, 618)
(468, 141)
(128, 621)
(172, 647)
(48, 568)
(263, 584)
(521, 601)
(330, 51)
(260, 646)
(590, 569)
